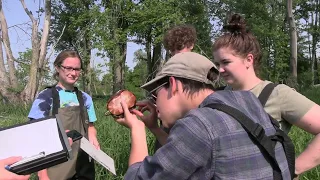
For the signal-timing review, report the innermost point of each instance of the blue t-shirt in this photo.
(42, 106)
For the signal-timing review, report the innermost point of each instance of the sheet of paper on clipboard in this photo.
(33, 138)
(98, 155)
(42, 143)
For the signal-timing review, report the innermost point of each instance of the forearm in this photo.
(91, 129)
(160, 134)
(310, 157)
(139, 149)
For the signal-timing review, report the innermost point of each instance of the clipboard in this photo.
(42, 143)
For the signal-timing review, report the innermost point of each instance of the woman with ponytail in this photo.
(237, 54)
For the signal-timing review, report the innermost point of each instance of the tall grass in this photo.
(115, 139)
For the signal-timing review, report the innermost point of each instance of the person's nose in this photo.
(221, 69)
(73, 72)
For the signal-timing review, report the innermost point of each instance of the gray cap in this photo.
(187, 65)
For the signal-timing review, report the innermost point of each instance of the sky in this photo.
(20, 32)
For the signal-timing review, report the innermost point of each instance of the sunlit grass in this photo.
(115, 139)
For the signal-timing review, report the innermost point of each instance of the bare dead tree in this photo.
(39, 51)
(6, 42)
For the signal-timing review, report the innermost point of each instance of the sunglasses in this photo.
(155, 91)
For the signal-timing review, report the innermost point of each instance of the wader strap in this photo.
(55, 101)
(81, 103)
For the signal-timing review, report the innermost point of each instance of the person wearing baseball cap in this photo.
(203, 143)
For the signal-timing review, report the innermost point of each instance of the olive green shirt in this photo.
(285, 104)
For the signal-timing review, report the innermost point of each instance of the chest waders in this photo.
(73, 118)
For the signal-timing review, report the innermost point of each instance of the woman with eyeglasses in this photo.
(76, 111)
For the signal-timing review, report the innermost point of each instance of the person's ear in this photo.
(173, 88)
(249, 61)
(56, 68)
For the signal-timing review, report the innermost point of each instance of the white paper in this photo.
(30, 139)
(101, 157)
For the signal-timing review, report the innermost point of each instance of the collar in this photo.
(59, 88)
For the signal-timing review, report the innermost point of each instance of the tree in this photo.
(293, 41)
(136, 77)
(73, 22)
(148, 25)
(39, 50)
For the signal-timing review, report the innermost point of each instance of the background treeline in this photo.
(288, 32)
(102, 29)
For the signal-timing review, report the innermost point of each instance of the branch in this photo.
(18, 25)
(29, 13)
(45, 34)
(21, 30)
(15, 60)
(56, 43)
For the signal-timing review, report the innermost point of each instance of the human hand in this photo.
(69, 139)
(43, 175)
(151, 119)
(130, 120)
(92, 135)
(7, 175)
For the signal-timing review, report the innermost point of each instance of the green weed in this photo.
(115, 139)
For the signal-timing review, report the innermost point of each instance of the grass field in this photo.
(115, 139)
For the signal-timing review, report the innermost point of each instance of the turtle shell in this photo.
(114, 107)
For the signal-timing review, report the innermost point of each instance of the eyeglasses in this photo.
(70, 69)
(155, 91)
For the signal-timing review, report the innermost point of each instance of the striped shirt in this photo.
(209, 144)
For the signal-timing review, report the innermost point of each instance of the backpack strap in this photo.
(265, 93)
(220, 88)
(256, 131)
(81, 104)
(288, 147)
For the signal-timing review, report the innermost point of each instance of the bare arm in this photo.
(92, 135)
(310, 157)
(139, 148)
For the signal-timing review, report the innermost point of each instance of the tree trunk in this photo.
(293, 41)
(6, 42)
(314, 25)
(316, 74)
(6, 95)
(123, 48)
(156, 59)
(118, 67)
(86, 76)
(43, 44)
(149, 56)
(120, 25)
(38, 52)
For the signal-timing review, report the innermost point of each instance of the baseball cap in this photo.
(187, 65)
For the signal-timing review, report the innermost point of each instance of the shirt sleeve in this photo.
(187, 150)
(90, 108)
(293, 104)
(41, 106)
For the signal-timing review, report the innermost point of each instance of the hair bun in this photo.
(236, 24)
